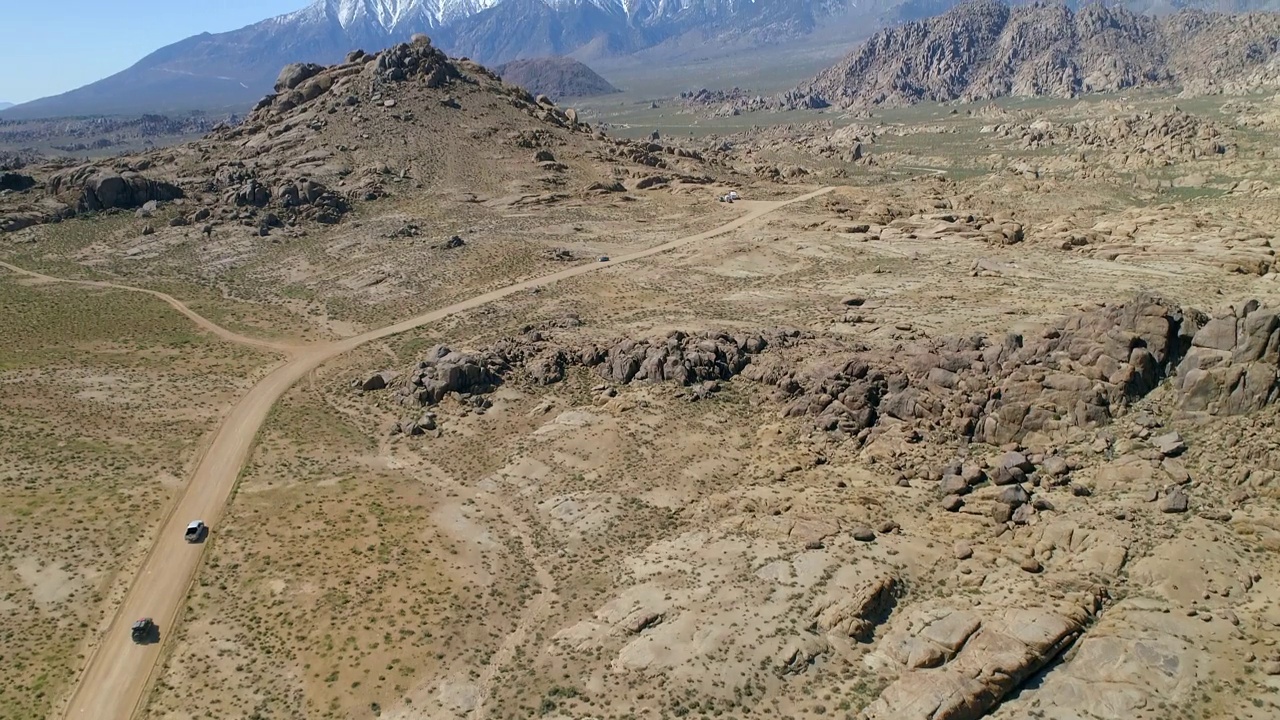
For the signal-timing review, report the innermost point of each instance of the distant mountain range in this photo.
(5, 105)
(231, 70)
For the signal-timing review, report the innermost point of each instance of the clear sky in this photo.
(51, 46)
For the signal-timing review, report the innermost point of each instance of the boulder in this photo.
(1169, 444)
(854, 613)
(953, 485)
(1174, 501)
(378, 381)
(1015, 460)
(295, 74)
(1014, 496)
(1233, 365)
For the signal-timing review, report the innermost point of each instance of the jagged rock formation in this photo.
(1231, 366)
(555, 77)
(984, 49)
(681, 358)
(1077, 373)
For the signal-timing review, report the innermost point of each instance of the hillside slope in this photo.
(555, 77)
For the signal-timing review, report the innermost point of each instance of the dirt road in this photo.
(118, 673)
(199, 320)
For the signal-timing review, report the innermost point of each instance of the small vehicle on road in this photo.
(196, 530)
(604, 258)
(145, 631)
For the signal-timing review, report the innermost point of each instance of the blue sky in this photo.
(51, 46)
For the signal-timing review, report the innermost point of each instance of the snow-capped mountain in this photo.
(233, 69)
(389, 15)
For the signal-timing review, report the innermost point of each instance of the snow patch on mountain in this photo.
(397, 15)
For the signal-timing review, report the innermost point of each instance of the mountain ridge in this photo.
(229, 71)
(985, 49)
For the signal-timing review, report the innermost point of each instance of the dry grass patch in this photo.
(106, 399)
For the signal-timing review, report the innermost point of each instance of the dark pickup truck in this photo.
(145, 631)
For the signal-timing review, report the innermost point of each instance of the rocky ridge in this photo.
(1077, 373)
(985, 49)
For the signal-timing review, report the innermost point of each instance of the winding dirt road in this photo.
(118, 673)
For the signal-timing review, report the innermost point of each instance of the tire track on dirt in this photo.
(202, 322)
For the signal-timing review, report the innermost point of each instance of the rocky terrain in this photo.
(986, 49)
(331, 138)
(954, 412)
(79, 137)
(555, 77)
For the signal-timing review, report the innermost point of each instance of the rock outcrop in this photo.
(1134, 140)
(376, 124)
(93, 188)
(1076, 373)
(958, 664)
(687, 359)
(1231, 368)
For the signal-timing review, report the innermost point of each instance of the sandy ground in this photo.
(117, 673)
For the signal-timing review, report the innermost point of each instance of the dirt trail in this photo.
(199, 320)
(118, 673)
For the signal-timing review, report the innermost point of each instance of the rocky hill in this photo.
(987, 49)
(555, 77)
(405, 121)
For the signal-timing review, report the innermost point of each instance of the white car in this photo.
(196, 531)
